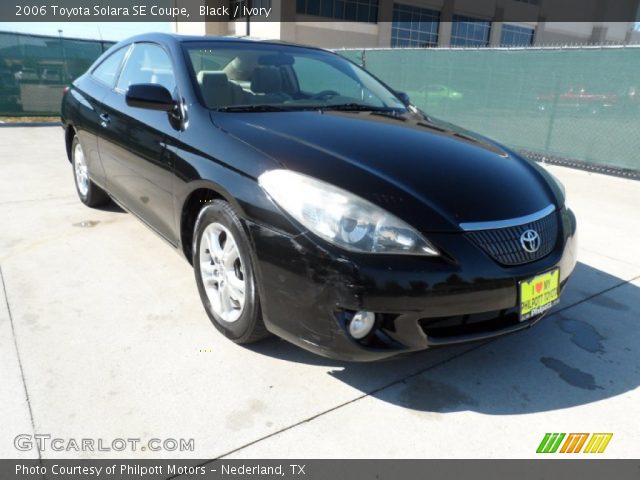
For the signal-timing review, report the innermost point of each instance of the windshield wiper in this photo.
(356, 107)
(343, 107)
(253, 108)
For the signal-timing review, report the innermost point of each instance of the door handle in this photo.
(104, 119)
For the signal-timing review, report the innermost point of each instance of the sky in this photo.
(94, 30)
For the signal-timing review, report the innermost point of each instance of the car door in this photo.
(135, 143)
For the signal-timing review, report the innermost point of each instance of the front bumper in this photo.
(308, 288)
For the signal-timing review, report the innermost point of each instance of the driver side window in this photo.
(147, 63)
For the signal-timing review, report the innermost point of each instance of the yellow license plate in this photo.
(539, 294)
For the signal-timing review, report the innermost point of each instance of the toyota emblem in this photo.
(530, 241)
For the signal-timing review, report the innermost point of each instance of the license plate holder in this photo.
(538, 294)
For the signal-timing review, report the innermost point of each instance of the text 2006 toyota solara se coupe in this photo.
(313, 201)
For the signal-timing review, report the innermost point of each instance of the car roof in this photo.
(175, 38)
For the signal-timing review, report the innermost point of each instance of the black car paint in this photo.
(431, 174)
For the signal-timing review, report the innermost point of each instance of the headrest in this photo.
(211, 79)
(217, 90)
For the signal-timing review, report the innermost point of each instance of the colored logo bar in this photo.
(574, 443)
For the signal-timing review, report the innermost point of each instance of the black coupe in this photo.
(314, 201)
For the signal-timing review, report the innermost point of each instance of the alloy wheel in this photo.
(222, 272)
(81, 170)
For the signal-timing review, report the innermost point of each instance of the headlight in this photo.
(341, 217)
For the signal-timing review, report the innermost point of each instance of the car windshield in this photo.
(243, 76)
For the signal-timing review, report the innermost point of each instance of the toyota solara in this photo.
(315, 202)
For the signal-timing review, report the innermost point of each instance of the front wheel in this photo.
(89, 193)
(225, 275)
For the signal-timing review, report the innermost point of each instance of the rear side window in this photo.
(147, 63)
(107, 71)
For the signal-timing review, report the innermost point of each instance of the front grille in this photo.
(503, 244)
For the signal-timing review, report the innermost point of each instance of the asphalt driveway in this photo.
(102, 336)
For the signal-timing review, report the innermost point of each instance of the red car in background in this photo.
(579, 99)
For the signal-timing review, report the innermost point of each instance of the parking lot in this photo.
(102, 335)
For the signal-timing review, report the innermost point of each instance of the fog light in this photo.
(361, 324)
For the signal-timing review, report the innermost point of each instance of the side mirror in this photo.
(404, 97)
(150, 96)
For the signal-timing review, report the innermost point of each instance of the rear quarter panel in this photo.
(81, 108)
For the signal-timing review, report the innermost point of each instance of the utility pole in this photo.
(65, 71)
(249, 5)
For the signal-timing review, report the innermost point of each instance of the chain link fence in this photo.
(34, 70)
(578, 106)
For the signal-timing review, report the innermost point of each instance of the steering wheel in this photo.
(325, 95)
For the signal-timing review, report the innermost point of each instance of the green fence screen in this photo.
(577, 104)
(35, 69)
(572, 103)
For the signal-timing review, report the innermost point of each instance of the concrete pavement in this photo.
(102, 336)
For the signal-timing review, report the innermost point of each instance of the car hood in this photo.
(427, 172)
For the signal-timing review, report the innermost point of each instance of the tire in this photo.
(88, 192)
(221, 271)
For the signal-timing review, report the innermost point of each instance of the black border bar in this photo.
(542, 469)
(313, 10)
